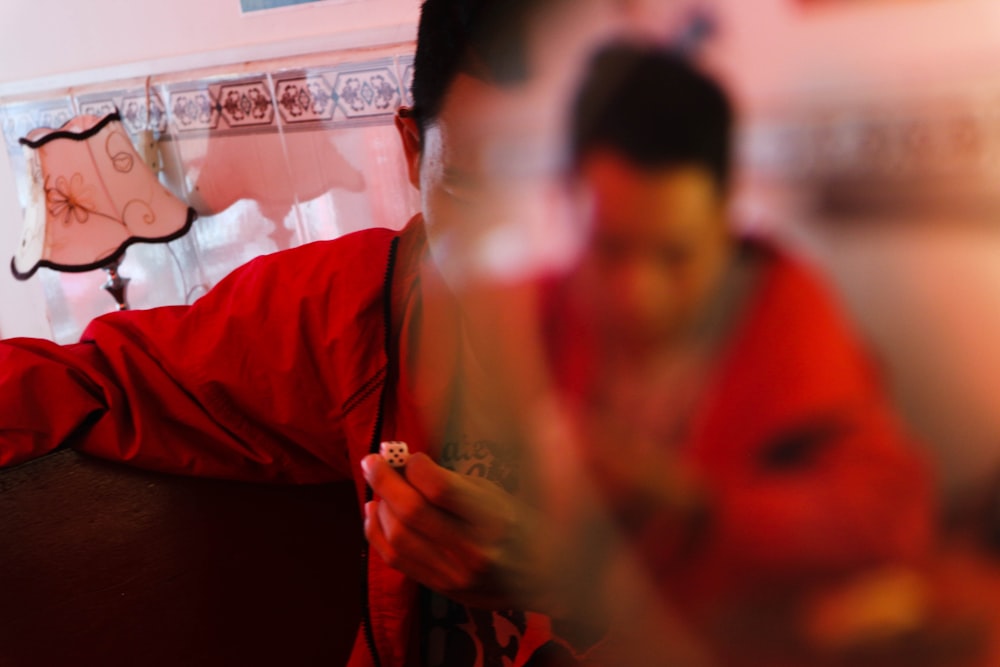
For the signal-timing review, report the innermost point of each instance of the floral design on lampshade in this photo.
(70, 200)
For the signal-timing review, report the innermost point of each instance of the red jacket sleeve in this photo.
(811, 470)
(243, 384)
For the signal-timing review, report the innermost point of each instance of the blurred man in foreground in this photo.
(298, 365)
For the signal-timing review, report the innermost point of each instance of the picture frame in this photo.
(260, 5)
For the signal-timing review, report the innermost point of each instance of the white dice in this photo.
(395, 453)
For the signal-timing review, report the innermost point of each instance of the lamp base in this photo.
(116, 285)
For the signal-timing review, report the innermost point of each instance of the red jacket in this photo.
(809, 473)
(812, 470)
(276, 375)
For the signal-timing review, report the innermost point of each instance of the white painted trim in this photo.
(370, 38)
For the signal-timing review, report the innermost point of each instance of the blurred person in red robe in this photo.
(732, 419)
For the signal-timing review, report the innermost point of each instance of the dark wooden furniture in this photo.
(101, 564)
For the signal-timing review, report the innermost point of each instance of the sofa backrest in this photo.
(101, 564)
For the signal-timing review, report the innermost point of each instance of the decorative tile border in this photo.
(958, 134)
(220, 106)
(131, 104)
(347, 94)
(877, 142)
(344, 95)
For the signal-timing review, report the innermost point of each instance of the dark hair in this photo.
(655, 109)
(484, 38)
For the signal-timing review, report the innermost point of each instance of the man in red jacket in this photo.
(733, 422)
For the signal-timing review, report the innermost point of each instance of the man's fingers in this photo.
(485, 510)
(376, 535)
(468, 498)
(422, 559)
(459, 536)
(398, 547)
(408, 504)
(465, 497)
(383, 478)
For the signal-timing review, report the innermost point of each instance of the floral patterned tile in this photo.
(140, 112)
(247, 104)
(304, 98)
(404, 65)
(19, 119)
(193, 108)
(99, 104)
(220, 106)
(366, 90)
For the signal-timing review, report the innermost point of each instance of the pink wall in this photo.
(776, 50)
(924, 286)
(181, 34)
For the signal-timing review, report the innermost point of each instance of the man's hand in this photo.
(461, 536)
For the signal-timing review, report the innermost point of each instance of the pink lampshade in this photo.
(91, 197)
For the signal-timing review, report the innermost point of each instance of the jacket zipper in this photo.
(373, 446)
